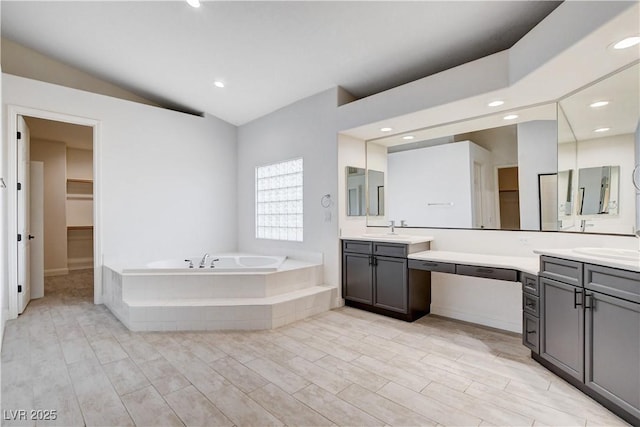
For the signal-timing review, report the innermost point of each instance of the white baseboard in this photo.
(56, 272)
(80, 263)
(477, 319)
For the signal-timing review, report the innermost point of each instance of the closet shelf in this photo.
(71, 196)
(83, 181)
(79, 227)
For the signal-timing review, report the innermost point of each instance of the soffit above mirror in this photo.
(588, 58)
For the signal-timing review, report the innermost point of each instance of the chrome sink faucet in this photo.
(584, 224)
(203, 261)
(392, 225)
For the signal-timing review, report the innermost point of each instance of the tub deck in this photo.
(151, 300)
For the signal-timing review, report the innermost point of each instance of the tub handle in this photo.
(190, 262)
(212, 261)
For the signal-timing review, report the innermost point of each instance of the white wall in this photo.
(54, 156)
(637, 162)
(351, 152)
(24, 62)
(537, 154)
(304, 129)
(167, 180)
(4, 276)
(377, 160)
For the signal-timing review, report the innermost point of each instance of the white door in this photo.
(36, 255)
(24, 229)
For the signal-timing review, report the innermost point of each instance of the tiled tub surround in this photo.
(153, 301)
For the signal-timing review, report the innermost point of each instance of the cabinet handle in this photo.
(370, 259)
(531, 304)
(484, 270)
(532, 332)
(429, 264)
(575, 299)
(590, 300)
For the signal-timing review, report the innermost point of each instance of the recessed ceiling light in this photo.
(408, 137)
(599, 104)
(628, 42)
(194, 3)
(511, 116)
(218, 83)
(496, 103)
(386, 129)
(602, 129)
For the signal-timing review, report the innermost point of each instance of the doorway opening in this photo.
(509, 198)
(52, 168)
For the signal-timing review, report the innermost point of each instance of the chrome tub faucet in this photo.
(203, 261)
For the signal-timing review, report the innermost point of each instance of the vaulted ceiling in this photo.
(268, 54)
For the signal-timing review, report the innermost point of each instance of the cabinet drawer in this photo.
(530, 332)
(564, 270)
(442, 267)
(530, 284)
(487, 272)
(390, 249)
(611, 281)
(531, 304)
(356, 246)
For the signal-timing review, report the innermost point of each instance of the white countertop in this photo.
(407, 239)
(528, 264)
(591, 259)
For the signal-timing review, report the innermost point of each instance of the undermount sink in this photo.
(384, 236)
(621, 254)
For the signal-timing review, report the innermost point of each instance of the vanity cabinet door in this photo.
(562, 326)
(391, 283)
(612, 347)
(357, 277)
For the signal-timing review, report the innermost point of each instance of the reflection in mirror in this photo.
(600, 135)
(355, 191)
(565, 193)
(480, 173)
(598, 190)
(375, 184)
(548, 186)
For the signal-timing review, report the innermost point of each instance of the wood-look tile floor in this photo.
(343, 367)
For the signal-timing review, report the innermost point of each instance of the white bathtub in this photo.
(242, 291)
(221, 264)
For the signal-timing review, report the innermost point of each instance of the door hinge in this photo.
(19, 288)
(19, 186)
(19, 237)
(19, 135)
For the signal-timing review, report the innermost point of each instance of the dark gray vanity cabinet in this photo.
(390, 283)
(562, 326)
(590, 331)
(612, 335)
(357, 277)
(376, 277)
(530, 312)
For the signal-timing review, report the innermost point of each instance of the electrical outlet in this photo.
(524, 241)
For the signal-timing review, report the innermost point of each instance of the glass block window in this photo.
(279, 201)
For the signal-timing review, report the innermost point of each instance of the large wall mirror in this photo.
(563, 166)
(480, 173)
(596, 155)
